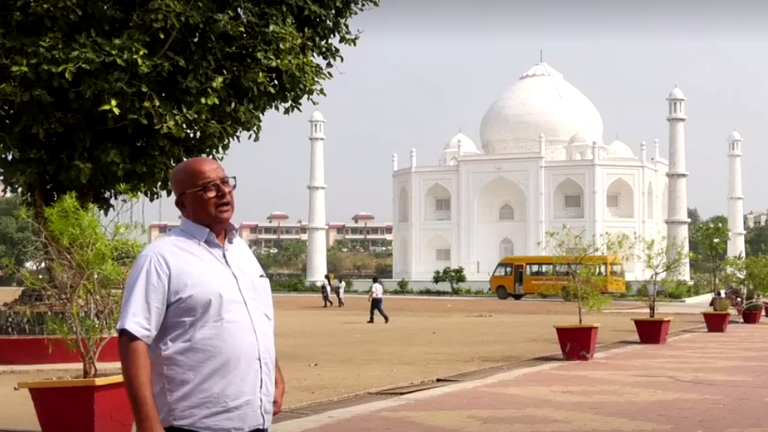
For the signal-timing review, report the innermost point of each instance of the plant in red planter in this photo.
(751, 274)
(711, 237)
(86, 265)
(660, 257)
(585, 268)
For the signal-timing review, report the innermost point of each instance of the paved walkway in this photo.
(697, 382)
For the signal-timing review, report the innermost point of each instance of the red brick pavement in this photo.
(700, 382)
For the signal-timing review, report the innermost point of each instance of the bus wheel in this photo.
(518, 296)
(502, 293)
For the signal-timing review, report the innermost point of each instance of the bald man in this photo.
(197, 324)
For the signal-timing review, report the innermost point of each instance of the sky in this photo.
(423, 70)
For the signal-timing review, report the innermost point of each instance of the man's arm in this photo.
(137, 373)
(144, 304)
(277, 405)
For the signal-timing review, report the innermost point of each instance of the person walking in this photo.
(196, 330)
(340, 292)
(376, 298)
(326, 289)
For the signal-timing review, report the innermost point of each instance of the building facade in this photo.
(543, 164)
(362, 232)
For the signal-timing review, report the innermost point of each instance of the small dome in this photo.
(317, 116)
(467, 145)
(584, 136)
(735, 136)
(618, 149)
(676, 94)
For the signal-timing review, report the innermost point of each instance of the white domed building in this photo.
(542, 163)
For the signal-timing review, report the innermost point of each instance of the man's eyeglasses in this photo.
(212, 189)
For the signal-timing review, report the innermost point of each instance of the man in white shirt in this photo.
(197, 325)
(376, 298)
(340, 292)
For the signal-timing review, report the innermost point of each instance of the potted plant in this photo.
(584, 278)
(712, 236)
(718, 318)
(752, 275)
(659, 257)
(86, 265)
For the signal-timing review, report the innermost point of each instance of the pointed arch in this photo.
(437, 203)
(569, 200)
(650, 200)
(506, 248)
(403, 206)
(506, 213)
(620, 199)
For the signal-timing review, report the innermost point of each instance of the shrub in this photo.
(404, 287)
(292, 285)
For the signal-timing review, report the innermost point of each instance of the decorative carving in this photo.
(556, 179)
(629, 178)
(519, 177)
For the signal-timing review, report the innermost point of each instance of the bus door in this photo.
(519, 268)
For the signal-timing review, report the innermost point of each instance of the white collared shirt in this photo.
(377, 290)
(206, 312)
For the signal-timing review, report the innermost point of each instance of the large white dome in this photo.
(541, 102)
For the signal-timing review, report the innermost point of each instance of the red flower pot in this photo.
(765, 308)
(751, 317)
(577, 342)
(717, 322)
(652, 330)
(82, 405)
(36, 350)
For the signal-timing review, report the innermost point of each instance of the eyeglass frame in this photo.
(217, 187)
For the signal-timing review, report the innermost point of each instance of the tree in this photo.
(292, 254)
(453, 276)
(18, 238)
(757, 240)
(574, 253)
(712, 239)
(751, 274)
(103, 98)
(83, 285)
(659, 257)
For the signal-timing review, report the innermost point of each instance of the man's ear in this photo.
(181, 205)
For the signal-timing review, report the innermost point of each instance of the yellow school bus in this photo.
(516, 276)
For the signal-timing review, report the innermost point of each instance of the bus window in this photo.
(538, 270)
(503, 270)
(617, 270)
(565, 269)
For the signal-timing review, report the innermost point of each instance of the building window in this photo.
(506, 212)
(612, 201)
(572, 201)
(389, 230)
(162, 230)
(340, 231)
(253, 230)
(443, 254)
(303, 230)
(443, 204)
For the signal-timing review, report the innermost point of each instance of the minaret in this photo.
(394, 162)
(316, 237)
(735, 198)
(677, 216)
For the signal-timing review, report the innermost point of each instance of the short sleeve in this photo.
(145, 297)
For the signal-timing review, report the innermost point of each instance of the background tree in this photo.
(103, 97)
(19, 241)
(573, 254)
(751, 274)
(711, 236)
(659, 257)
(757, 240)
(452, 276)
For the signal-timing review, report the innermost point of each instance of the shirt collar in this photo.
(201, 233)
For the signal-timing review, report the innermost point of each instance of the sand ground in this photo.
(329, 353)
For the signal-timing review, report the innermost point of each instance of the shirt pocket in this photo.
(261, 296)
